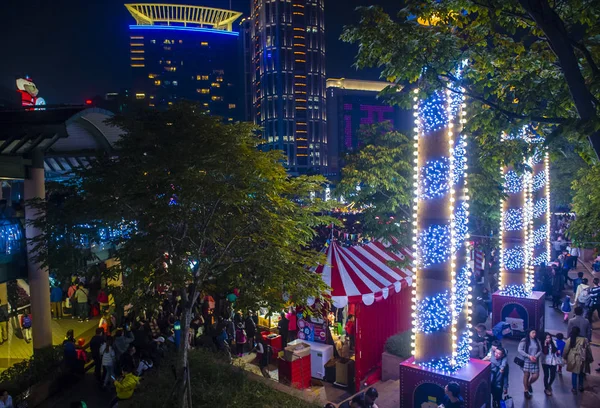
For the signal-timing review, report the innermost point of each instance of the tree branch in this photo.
(588, 57)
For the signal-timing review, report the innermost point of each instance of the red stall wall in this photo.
(374, 324)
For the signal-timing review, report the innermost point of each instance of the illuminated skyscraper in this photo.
(288, 80)
(186, 52)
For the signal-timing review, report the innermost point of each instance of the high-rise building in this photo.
(186, 52)
(288, 80)
(350, 104)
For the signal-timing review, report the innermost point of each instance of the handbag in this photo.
(507, 402)
(519, 361)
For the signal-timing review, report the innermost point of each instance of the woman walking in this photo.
(107, 352)
(531, 350)
(579, 357)
(549, 362)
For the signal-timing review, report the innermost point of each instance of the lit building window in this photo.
(140, 95)
(230, 119)
(217, 98)
(136, 44)
(175, 83)
(232, 106)
(219, 79)
(136, 38)
(138, 65)
(203, 91)
(153, 41)
(201, 77)
(152, 76)
(204, 44)
(157, 82)
(171, 69)
(180, 41)
(137, 51)
(167, 42)
(215, 85)
(205, 104)
(137, 58)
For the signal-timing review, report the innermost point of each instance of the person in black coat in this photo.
(557, 288)
(283, 328)
(95, 344)
(250, 327)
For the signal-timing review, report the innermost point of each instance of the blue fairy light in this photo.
(461, 224)
(515, 291)
(435, 179)
(540, 259)
(444, 365)
(434, 245)
(460, 159)
(513, 183)
(433, 313)
(432, 113)
(540, 235)
(540, 207)
(539, 181)
(513, 219)
(463, 281)
(514, 258)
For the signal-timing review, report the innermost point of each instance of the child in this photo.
(26, 326)
(566, 308)
(560, 346)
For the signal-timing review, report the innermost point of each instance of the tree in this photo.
(529, 61)
(202, 209)
(377, 177)
(586, 204)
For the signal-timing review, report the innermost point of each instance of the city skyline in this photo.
(96, 33)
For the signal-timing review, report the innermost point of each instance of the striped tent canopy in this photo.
(361, 273)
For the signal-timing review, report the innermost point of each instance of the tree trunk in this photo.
(182, 356)
(552, 25)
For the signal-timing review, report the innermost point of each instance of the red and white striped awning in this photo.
(361, 273)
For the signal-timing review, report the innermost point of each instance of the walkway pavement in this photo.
(16, 349)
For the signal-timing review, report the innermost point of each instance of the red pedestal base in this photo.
(295, 373)
(521, 313)
(422, 388)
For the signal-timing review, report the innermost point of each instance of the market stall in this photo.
(361, 278)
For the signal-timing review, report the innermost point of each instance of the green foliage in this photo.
(586, 204)
(399, 344)
(214, 384)
(20, 376)
(524, 66)
(564, 170)
(382, 169)
(202, 209)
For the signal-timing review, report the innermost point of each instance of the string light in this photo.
(433, 313)
(540, 234)
(514, 258)
(544, 257)
(461, 224)
(463, 284)
(435, 179)
(518, 291)
(513, 219)
(540, 207)
(513, 183)
(434, 245)
(432, 113)
(460, 159)
(539, 181)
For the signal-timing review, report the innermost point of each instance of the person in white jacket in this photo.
(108, 356)
(575, 253)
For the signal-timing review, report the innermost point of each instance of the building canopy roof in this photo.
(196, 16)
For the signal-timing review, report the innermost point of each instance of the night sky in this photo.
(76, 49)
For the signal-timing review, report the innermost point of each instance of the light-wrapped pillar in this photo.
(540, 207)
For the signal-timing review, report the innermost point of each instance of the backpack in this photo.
(584, 296)
(580, 353)
(26, 322)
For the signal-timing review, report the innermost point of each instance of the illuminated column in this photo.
(440, 316)
(514, 231)
(540, 205)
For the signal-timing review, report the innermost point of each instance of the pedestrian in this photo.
(585, 329)
(264, 354)
(594, 301)
(240, 339)
(583, 293)
(576, 282)
(499, 369)
(560, 348)
(549, 362)
(71, 296)
(283, 328)
(4, 317)
(102, 300)
(480, 313)
(81, 298)
(579, 357)
(575, 253)
(370, 396)
(95, 343)
(127, 360)
(26, 322)
(5, 400)
(479, 345)
(108, 355)
(125, 387)
(566, 308)
(350, 329)
(122, 341)
(56, 298)
(293, 324)
(452, 397)
(358, 401)
(531, 350)
(250, 330)
(557, 287)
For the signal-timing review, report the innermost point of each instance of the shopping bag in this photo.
(507, 402)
